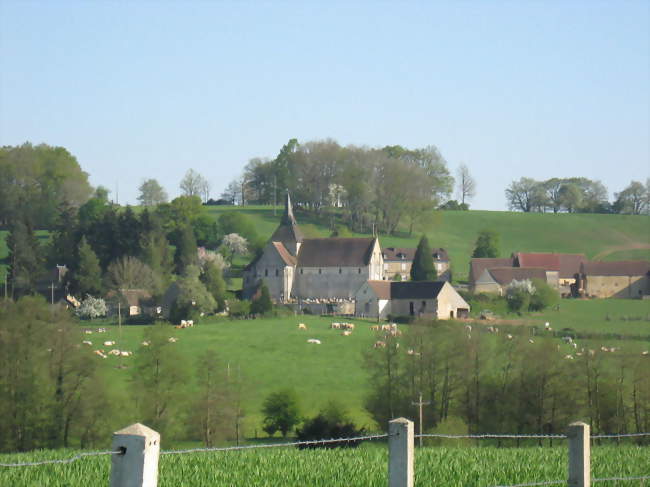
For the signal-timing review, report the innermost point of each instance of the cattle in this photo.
(335, 326)
(379, 344)
(509, 336)
(568, 340)
(109, 343)
(568, 357)
(88, 332)
(115, 352)
(100, 353)
(374, 328)
(146, 343)
(172, 339)
(302, 326)
(124, 353)
(530, 340)
(315, 341)
(645, 352)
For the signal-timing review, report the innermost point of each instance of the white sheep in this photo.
(302, 326)
(87, 342)
(109, 343)
(315, 341)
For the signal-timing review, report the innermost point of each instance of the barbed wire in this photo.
(624, 435)
(532, 484)
(647, 477)
(63, 460)
(276, 445)
(490, 436)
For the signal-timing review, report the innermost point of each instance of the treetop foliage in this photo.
(422, 268)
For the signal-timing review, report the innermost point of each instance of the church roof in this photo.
(335, 252)
(284, 253)
(288, 231)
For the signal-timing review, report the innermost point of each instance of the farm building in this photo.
(398, 261)
(497, 279)
(622, 279)
(295, 268)
(411, 298)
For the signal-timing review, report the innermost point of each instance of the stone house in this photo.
(297, 269)
(437, 300)
(497, 279)
(478, 265)
(398, 261)
(622, 279)
(560, 268)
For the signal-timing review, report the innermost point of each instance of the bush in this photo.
(451, 425)
(91, 308)
(238, 308)
(329, 423)
(543, 297)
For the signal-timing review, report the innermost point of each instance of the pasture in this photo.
(272, 353)
(365, 466)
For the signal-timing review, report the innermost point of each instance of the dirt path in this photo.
(619, 248)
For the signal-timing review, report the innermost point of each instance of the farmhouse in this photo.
(295, 268)
(622, 279)
(478, 265)
(497, 279)
(438, 300)
(398, 262)
(560, 268)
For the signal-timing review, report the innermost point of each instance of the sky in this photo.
(150, 89)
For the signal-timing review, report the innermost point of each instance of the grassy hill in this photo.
(603, 237)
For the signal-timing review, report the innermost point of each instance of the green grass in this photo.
(363, 467)
(608, 237)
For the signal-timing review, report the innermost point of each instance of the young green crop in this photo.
(365, 466)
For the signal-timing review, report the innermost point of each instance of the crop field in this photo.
(365, 466)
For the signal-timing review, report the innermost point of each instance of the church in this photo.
(299, 269)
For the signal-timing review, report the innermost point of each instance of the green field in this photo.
(271, 354)
(363, 467)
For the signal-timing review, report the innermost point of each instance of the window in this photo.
(266, 272)
(276, 273)
(301, 270)
(340, 270)
(359, 270)
(319, 271)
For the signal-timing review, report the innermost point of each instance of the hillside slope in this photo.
(606, 237)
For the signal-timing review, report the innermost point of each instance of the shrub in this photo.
(91, 308)
(330, 423)
(543, 297)
(238, 308)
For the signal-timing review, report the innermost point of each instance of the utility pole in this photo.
(419, 404)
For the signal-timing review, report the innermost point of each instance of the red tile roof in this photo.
(616, 268)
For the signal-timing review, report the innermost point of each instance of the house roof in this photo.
(570, 264)
(478, 265)
(407, 254)
(335, 252)
(550, 262)
(381, 288)
(406, 289)
(505, 275)
(415, 289)
(284, 253)
(616, 268)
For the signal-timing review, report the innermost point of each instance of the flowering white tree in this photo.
(525, 285)
(91, 308)
(233, 244)
(206, 256)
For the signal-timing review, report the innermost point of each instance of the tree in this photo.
(633, 199)
(524, 195)
(543, 297)
(466, 184)
(158, 380)
(91, 308)
(262, 304)
(151, 193)
(518, 295)
(233, 192)
(193, 298)
(212, 278)
(331, 422)
(570, 197)
(129, 273)
(232, 245)
(281, 411)
(193, 184)
(487, 244)
(24, 258)
(422, 268)
(87, 272)
(186, 254)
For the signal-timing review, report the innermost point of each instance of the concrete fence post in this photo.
(579, 455)
(400, 453)
(137, 465)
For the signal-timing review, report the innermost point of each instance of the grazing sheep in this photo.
(530, 340)
(87, 342)
(374, 328)
(346, 333)
(124, 353)
(568, 357)
(100, 353)
(302, 326)
(88, 332)
(379, 344)
(109, 343)
(645, 352)
(115, 352)
(335, 326)
(101, 330)
(146, 343)
(509, 336)
(315, 341)
(172, 339)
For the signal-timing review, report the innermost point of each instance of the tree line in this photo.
(374, 187)
(500, 383)
(576, 195)
(53, 395)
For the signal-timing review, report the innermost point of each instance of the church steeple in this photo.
(287, 216)
(288, 231)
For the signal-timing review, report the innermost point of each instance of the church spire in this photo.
(287, 217)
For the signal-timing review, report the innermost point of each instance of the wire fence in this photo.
(369, 437)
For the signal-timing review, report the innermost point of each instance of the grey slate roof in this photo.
(406, 289)
(335, 252)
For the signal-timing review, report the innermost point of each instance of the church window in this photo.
(320, 271)
(340, 270)
(359, 270)
(266, 272)
(276, 273)
(301, 271)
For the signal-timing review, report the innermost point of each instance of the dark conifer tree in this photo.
(422, 268)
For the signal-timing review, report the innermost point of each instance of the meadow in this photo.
(270, 354)
(365, 466)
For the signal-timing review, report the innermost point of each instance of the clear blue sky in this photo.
(152, 88)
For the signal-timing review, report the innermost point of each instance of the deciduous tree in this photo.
(487, 244)
(151, 193)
